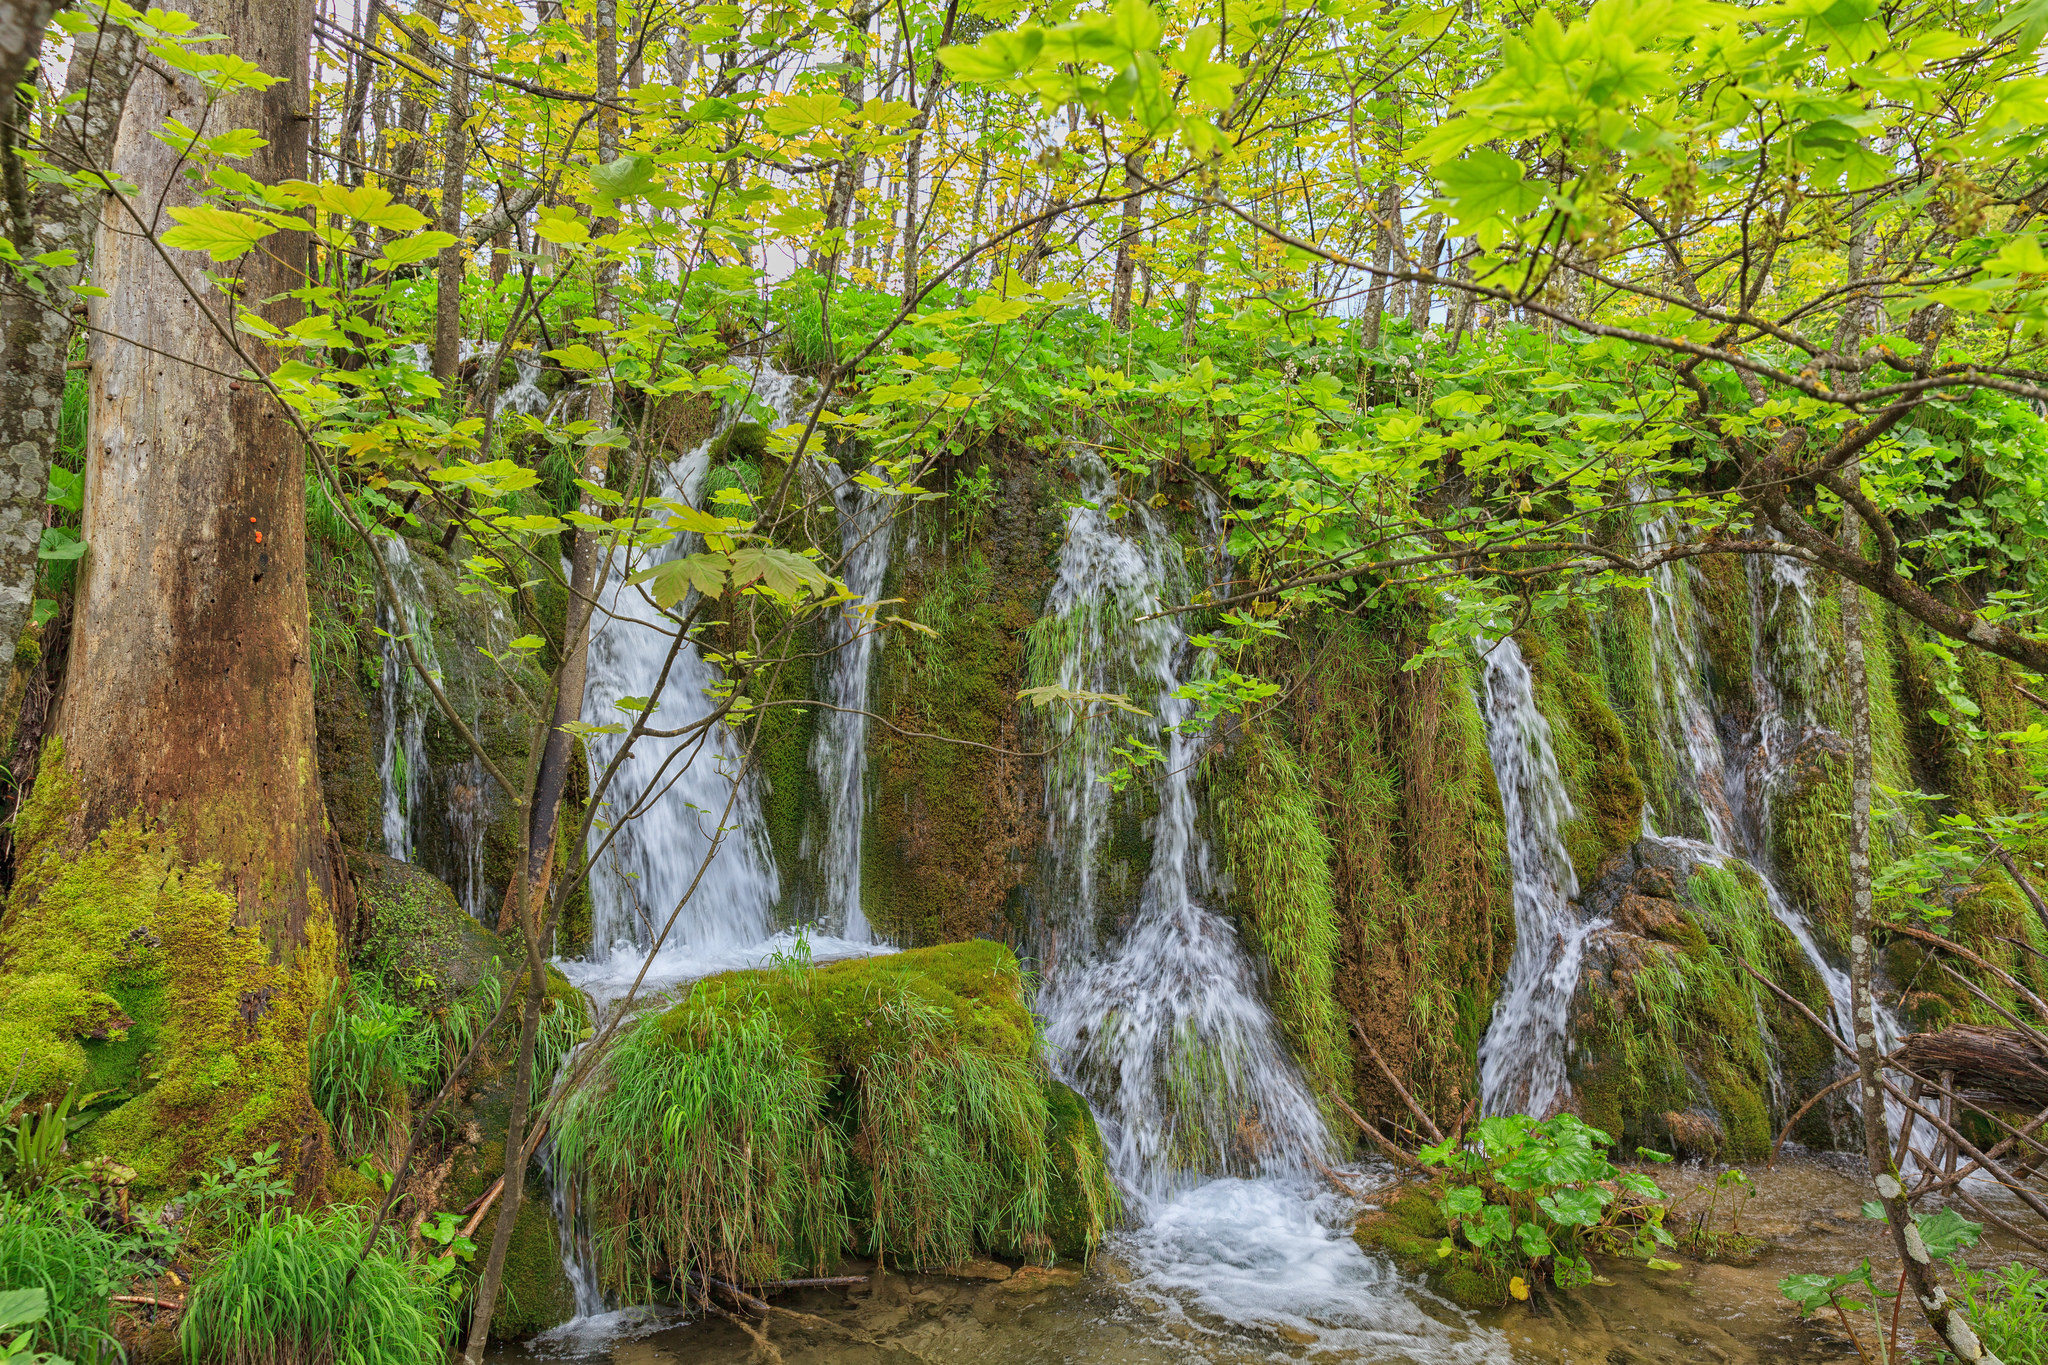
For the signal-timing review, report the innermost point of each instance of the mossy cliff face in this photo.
(1674, 1045)
(464, 827)
(776, 1120)
(951, 829)
(126, 969)
(1372, 787)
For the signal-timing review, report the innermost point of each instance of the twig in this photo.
(148, 1301)
(1376, 1135)
(825, 1282)
(1800, 1113)
(1395, 1081)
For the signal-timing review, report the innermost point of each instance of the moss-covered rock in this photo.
(952, 828)
(1590, 743)
(1409, 1229)
(412, 933)
(535, 1293)
(895, 1106)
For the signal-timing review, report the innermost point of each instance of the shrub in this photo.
(285, 1293)
(1523, 1196)
(2009, 1309)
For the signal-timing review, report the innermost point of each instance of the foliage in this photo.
(372, 1052)
(774, 1120)
(2008, 1307)
(49, 1244)
(298, 1288)
(1523, 1195)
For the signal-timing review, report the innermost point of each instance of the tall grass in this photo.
(2009, 1309)
(284, 1295)
(703, 1142)
(364, 1064)
(47, 1243)
(954, 1139)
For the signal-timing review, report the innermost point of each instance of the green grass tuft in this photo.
(294, 1290)
(47, 1243)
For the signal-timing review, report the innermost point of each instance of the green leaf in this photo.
(1487, 184)
(66, 489)
(999, 57)
(624, 178)
(798, 114)
(60, 543)
(23, 1307)
(1945, 1232)
(409, 250)
(44, 611)
(219, 233)
(562, 229)
(1655, 1264)
(576, 357)
(669, 583)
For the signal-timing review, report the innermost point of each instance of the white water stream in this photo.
(1522, 1056)
(1734, 795)
(1158, 1020)
(839, 752)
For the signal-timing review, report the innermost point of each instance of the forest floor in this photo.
(1804, 1217)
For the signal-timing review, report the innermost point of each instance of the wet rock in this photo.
(976, 1270)
(1647, 916)
(1035, 1277)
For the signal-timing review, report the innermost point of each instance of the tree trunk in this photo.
(1127, 244)
(448, 265)
(846, 177)
(190, 696)
(34, 335)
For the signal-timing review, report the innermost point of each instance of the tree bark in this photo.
(846, 177)
(448, 265)
(190, 698)
(1127, 244)
(35, 329)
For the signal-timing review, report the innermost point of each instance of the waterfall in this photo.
(662, 813)
(1158, 1021)
(839, 753)
(1734, 796)
(402, 763)
(1522, 1056)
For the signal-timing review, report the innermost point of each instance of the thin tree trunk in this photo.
(846, 177)
(1191, 299)
(1419, 298)
(190, 697)
(1127, 244)
(1944, 1317)
(35, 335)
(913, 161)
(448, 265)
(1389, 210)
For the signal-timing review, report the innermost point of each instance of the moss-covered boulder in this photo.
(773, 1121)
(1675, 1046)
(413, 934)
(1408, 1228)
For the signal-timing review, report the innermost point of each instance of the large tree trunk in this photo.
(189, 700)
(35, 331)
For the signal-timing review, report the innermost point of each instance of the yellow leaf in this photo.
(1519, 1287)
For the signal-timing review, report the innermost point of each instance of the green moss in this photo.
(1278, 860)
(1591, 746)
(775, 1119)
(412, 934)
(1627, 669)
(126, 966)
(1408, 1228)
(534, 1294)
(944, 815)
(1403, 791)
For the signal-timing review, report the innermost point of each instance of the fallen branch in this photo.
(1385, 1144)
(1358, 1027)
(1800, 1113)
(2040, 1007)
(148, 1301)
(824, 1282)
(2005, 1064)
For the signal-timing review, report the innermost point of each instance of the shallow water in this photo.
(1227, 1275)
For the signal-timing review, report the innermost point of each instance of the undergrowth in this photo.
(47, 1243)
(298, 1288)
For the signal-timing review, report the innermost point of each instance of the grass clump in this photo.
(47, 1243)
(292, 1290)
(776, 1120)
(1278, 859)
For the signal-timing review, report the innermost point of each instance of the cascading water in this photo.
(1734, 796)
(667, 805)
(839, 754)
(402, 764)
(1209, 1128)
(669, 802)
(1522, 1056)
